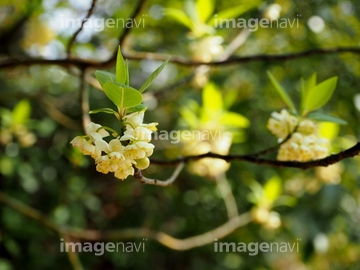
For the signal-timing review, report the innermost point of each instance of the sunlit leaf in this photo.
(205, 9)
(190, 117)
(232, 13)
(104, 77)
(153, 76)
(328, 130)
(121, 70)
(180, 16)
(121, 95)
(273, 188)
(319, 95)
(281, 91)
(233, 119)
(212, 98)
(21, 112)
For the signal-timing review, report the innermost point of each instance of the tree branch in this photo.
(324, 162)
(83, 63)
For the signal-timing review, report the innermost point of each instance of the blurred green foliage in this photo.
(49, 175)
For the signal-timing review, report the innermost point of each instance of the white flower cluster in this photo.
(304, 144)
(114, 156)
(207, 48)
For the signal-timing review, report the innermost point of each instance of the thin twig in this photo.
(73, 256)
(73, 38)
(84, 100)
(324, 162)
(49, 107)
(227, 195)
(165, 183)
(238, 41)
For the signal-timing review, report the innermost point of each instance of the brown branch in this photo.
(82, 63)
(324, 162)
(161, 237)
(84, 101)
(164, 183)
(73, 38)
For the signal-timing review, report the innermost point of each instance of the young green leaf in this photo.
(319, 95)
(321, 117)
(127, 79)
(104, 77)
(121, 95)
(309, 84)
(283, 94)
(105, 110)
(153, 76)
(121, 71)
(21, 112)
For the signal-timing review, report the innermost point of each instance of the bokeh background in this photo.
(41, 113)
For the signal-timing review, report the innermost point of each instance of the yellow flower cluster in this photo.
(114, 156)
(304, 144)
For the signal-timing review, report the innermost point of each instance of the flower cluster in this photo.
(114, 156)
(304, 143)
(207, 48)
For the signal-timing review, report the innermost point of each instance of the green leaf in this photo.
(121, 71)
(179, 16)
(104, 77)
(232, 13)
(105, 110)
(319, 95)
(212, 98)
(191, 11)
(137, 108)
(21, 112)
(205, 9)
(306, 88)
(283, 94)
(127, 79)
(153, 76)
(321, 117)
(273, 189)
(233, 119)
(122, 96)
